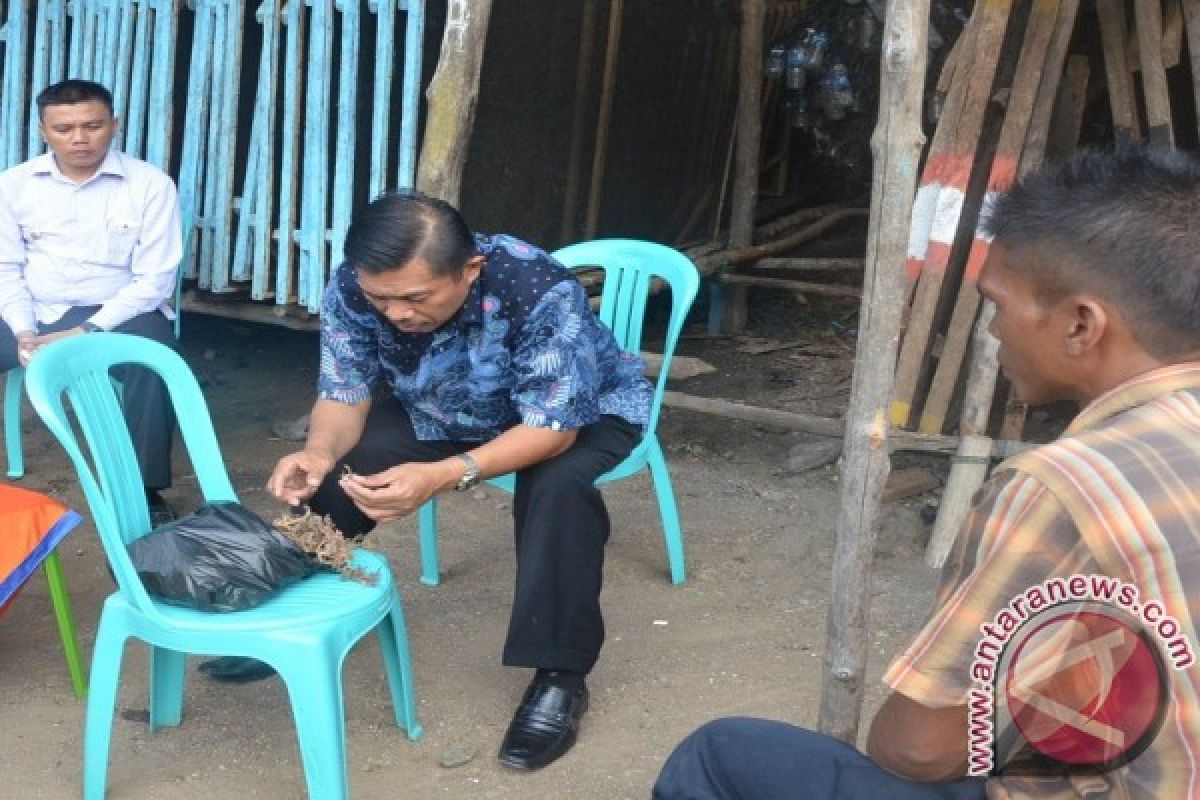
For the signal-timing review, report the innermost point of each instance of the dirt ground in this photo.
(743, 636)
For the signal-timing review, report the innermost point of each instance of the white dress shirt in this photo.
(113, 241)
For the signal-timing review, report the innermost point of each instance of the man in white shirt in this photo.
(90, 240)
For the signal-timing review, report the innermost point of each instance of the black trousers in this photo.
(560, 528)
(739, 758)
(144, 398)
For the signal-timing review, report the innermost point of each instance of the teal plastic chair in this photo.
(630, 269)
(304, 631)
(13, 382)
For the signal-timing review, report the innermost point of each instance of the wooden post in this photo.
(1191, 14)
(451, 97)
(1154, 76)
(896, 147)
(592, 220)
(746, 156)
(583, 74)
(1111, 14)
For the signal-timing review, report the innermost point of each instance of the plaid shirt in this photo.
(1117, 495)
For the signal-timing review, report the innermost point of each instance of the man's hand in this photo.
(399, 491)
(26, 344)
(298, 475)
(917, 742)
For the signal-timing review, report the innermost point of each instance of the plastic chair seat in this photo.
(323, 600)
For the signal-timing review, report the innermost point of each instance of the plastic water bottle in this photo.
(776, 60)
(797, 63)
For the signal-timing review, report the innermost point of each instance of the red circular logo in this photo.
(1085, 688)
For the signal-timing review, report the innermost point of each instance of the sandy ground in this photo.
(743, 636)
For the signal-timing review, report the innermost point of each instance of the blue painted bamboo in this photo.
(139, 79)
(226, 111)
(381, 99)
(195, 122)
(314, 251)
(347, 123)
(127, 14)
(293, 81)
(162, 85)
(407, 168)
(265, 107)
(16, 101)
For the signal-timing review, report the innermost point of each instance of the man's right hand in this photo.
(297, 476)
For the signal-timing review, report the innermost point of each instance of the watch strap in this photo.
(470, 475)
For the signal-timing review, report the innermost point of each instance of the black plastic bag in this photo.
(223, 557)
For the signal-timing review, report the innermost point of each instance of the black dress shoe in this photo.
(544, 727)
(236, 669)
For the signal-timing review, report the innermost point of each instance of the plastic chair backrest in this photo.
(77, 369)
(630, 268)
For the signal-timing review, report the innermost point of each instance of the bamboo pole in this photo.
(746, 157)
(1111, 14)
(1154, 76)
(1191, 14)
(1034, 64)
(896, 146)
(583, 74)
(971, 463)
(451, 97)
(600, 154)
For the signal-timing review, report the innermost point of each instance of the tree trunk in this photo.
(896, 146)
(452, 95)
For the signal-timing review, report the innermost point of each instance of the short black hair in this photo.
(399, 226)
(1122, 223)
(72, 91)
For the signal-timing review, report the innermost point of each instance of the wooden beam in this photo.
(1067, 120)
(1111, 14)
(896, 148)
(826, 426)
(746, 154)
(810, 264)
(1191, 15)
(1154, 76)
(583, 80)
(600, 154)
(804, 287)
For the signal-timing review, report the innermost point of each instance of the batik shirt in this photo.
(525, 348)
(1116, 499)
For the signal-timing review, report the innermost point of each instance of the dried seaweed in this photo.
(317, 536)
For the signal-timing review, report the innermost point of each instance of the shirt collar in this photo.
(46, 164)
(1135, 392)
(471, 312)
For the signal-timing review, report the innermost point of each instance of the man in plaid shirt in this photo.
(1069, 606)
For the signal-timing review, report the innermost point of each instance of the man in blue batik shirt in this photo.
(447, 358)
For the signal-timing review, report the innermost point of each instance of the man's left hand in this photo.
(30, 346)
(395, 492)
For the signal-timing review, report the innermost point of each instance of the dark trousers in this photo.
(560, 527)
(144, 398)
(756, 759)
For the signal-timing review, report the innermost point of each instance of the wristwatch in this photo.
(90, 327)
(470, 476)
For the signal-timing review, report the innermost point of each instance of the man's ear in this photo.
(472, 267)
(1086, 321)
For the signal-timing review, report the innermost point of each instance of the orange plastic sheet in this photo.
(31, 526)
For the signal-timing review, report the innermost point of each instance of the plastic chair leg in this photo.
(427, 525)
(166, 687)
(13, 383)
(61, 599)
(665, 492)
(315, 688)
(393, 641)
(102, 701)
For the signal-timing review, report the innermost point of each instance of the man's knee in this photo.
(695, 768)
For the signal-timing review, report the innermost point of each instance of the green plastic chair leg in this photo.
(66, 623)
(13, 383)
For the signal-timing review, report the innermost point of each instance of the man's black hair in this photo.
(1122, 223)
(399, 226)
(72, 91)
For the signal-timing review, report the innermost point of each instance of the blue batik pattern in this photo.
(524, 348)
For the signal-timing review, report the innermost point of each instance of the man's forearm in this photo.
(517, 448)
(334, 428)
